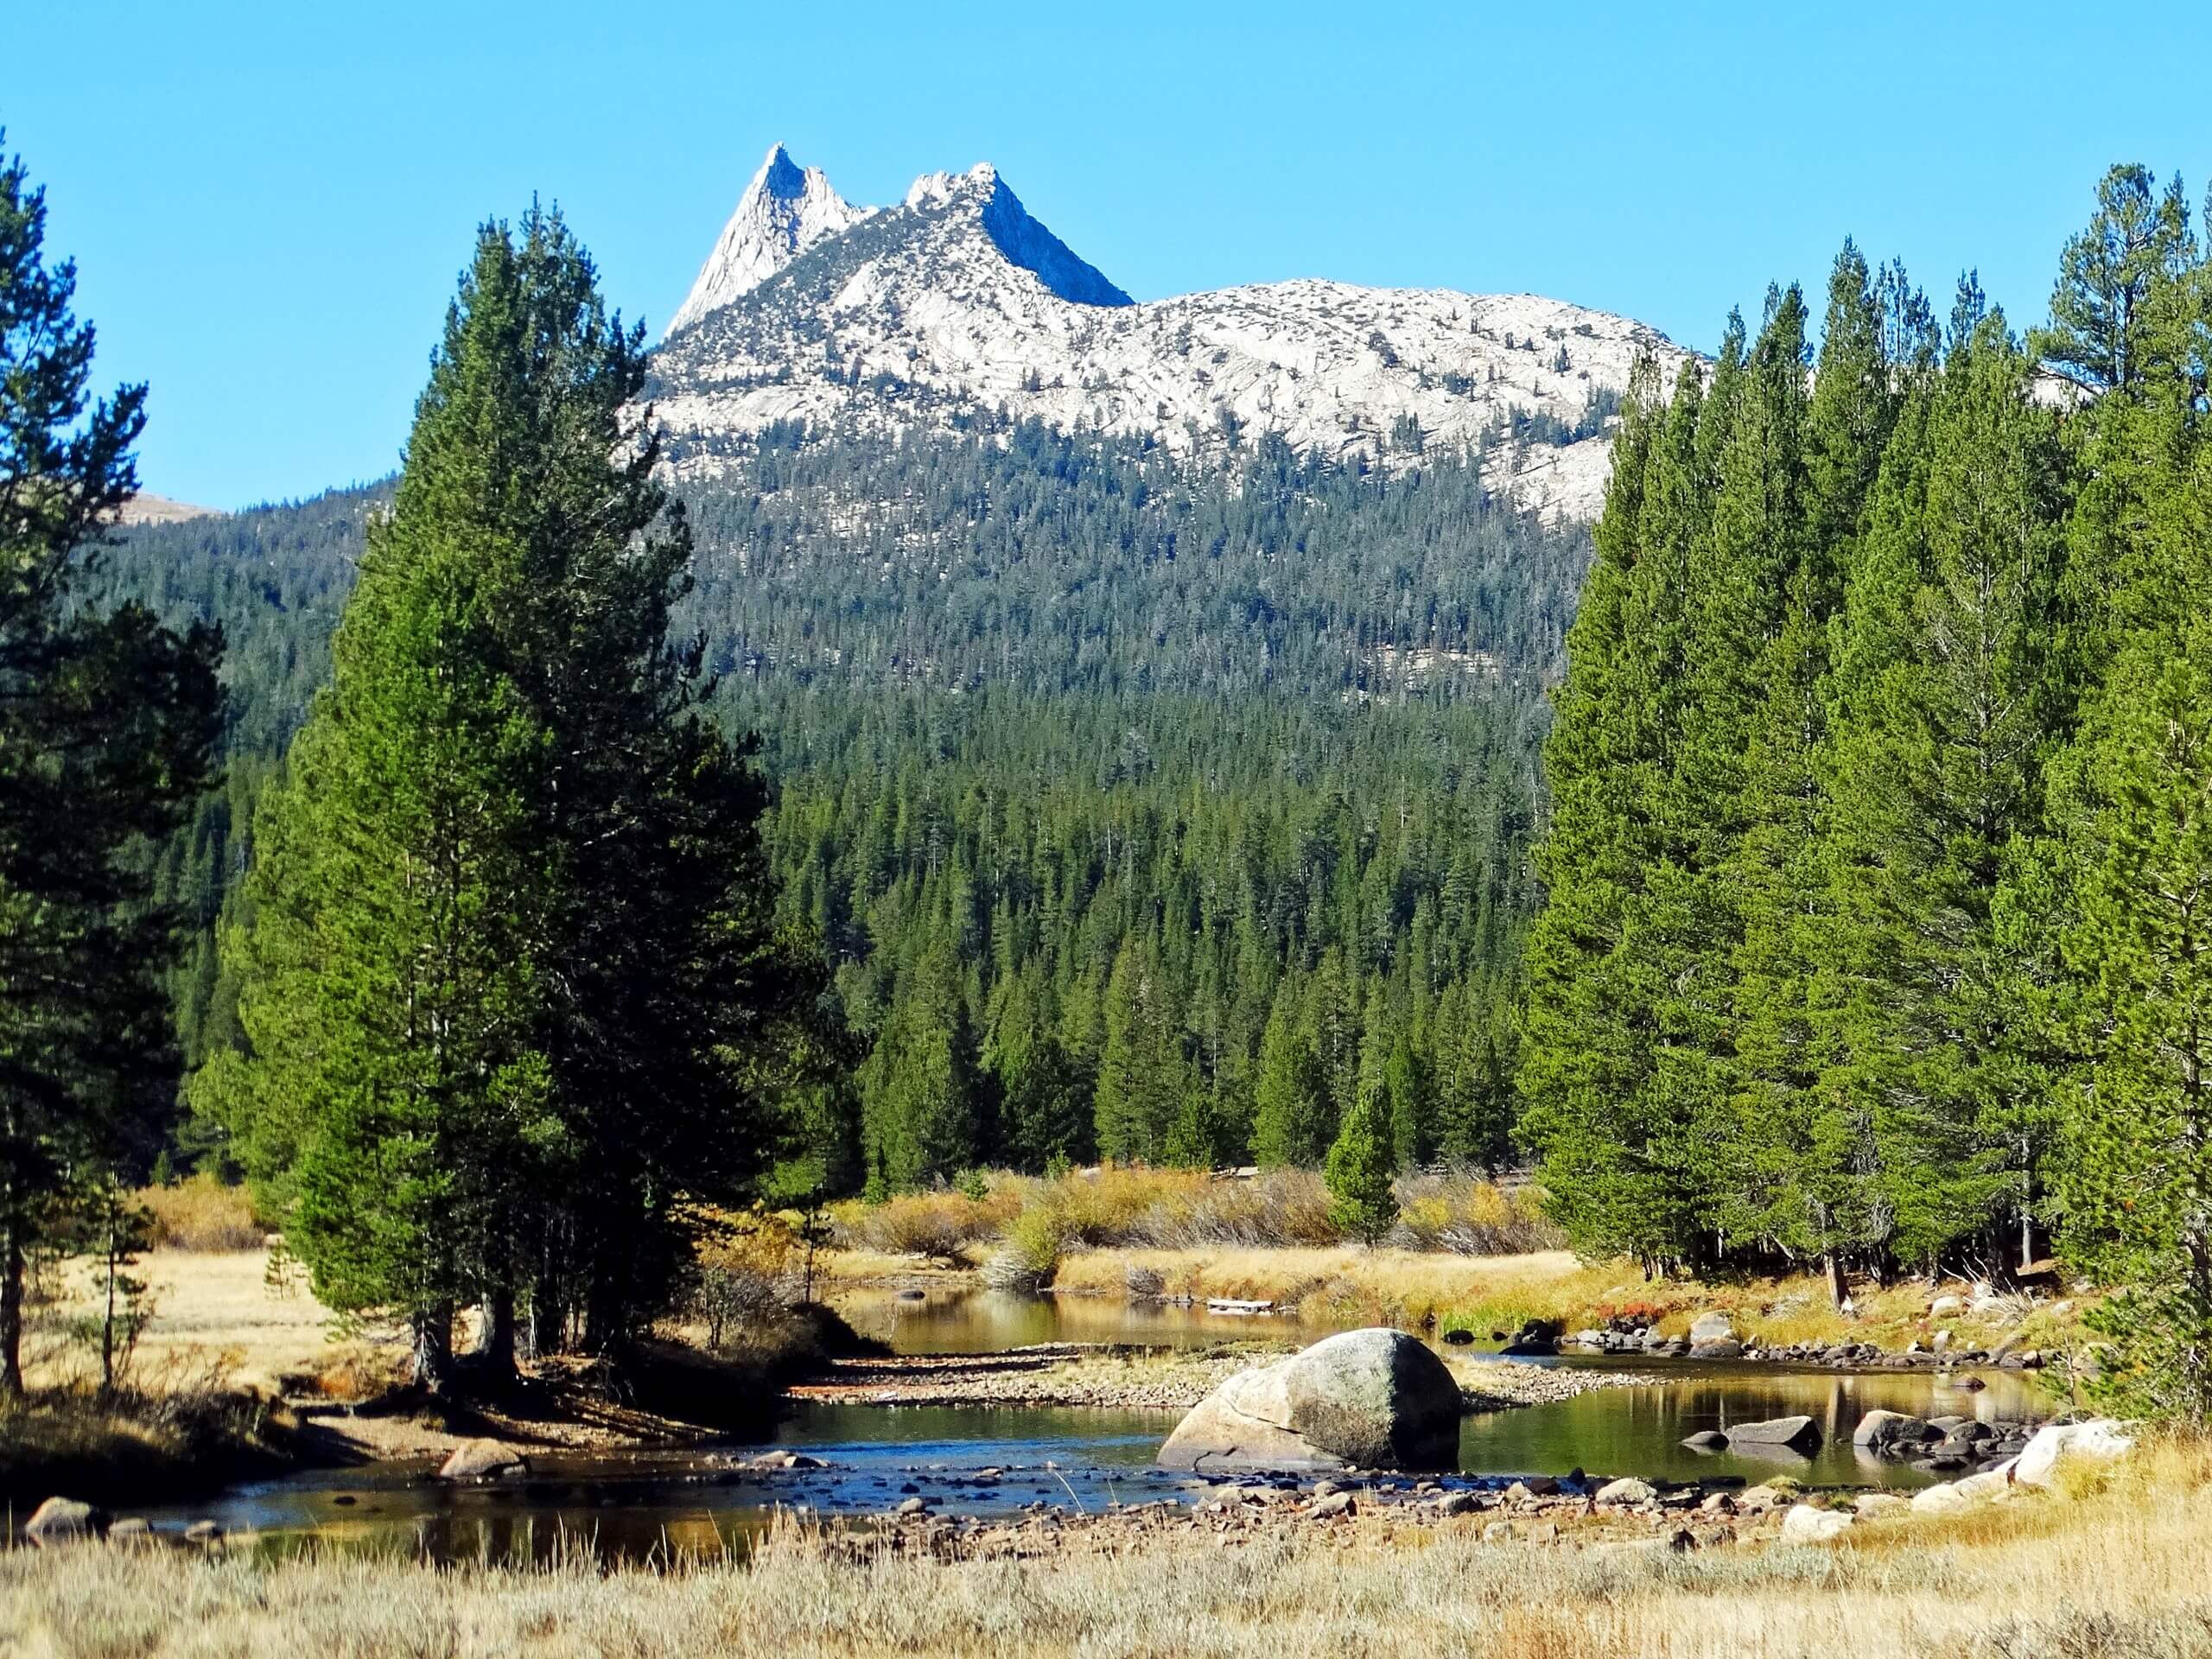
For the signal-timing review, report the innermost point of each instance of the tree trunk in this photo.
(1839, 1285)
(495, 1352)
(11, 1309)
(433, 1366)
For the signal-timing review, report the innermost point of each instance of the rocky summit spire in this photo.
(783, 213)
(1020, 238)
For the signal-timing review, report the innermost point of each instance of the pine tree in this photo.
(1141, 1074)
(2136, 1181)
(107, 727)
(1290, 1115)
(513, 968)
(1359, 1172)
(922, 1098)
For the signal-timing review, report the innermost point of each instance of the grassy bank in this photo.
(2119, 1572)
(1183, 1210)
(1467, 1254)
(240, 1372)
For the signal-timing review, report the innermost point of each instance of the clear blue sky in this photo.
(269, 203)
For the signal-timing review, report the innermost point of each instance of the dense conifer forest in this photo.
(1140, 810)
(1874, 875)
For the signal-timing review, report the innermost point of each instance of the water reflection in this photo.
(1640, 1430)
(995, 1461)
(960, 1321)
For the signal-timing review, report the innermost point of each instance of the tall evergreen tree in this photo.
(107, 726)
(2137, 1179)
(513, 969)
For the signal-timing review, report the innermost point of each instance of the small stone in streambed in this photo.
(203, 1532)
(913, 1506)
(482, 1460)
(1707, 1439)
(64, 1520)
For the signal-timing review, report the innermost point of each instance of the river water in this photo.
(994, 1460)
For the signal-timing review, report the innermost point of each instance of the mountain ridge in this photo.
(957, 299)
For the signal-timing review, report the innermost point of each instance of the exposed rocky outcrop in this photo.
(957, 299)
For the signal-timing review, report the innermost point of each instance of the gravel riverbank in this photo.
(1136, 1378)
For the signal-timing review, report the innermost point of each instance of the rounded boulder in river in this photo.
(1374, 1399)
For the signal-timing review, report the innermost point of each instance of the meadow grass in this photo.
(2127, 1571)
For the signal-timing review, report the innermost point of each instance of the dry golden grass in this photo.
(201, 1213)
(1487, 1294)
(937, 1225)
(206, 1303)
(2121, 1573)
(1408, 1285)
(1139, 1208)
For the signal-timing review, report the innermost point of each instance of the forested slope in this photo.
(1142, 808)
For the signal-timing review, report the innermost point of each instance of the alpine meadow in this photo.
(960, 960)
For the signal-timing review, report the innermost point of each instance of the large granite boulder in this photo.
(1364, 1399)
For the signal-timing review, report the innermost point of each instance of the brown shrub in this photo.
(938, 1224)
(1463, 1212)
(201, 1213)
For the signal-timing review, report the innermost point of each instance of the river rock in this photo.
(64, 1520)
(1711, 1327)
(1876, 1506)
(1334, 1504)
(1946, 1308)
(131, 1533)
(482, 1460)
(1719, 1348)
(1762, 1500)
(1457, 1503)
(1707, 1439)
(2100, 1440)
(1627, 1491)
(1374, 1399)
(1879, 1429)
(1803, 1525)
(1798, 1433)
(204, 1532)
(1534, 1338)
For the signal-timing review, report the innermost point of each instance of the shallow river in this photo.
(694, 1503)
